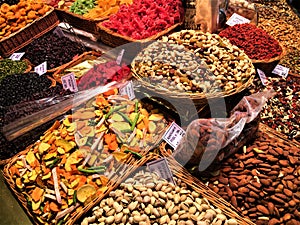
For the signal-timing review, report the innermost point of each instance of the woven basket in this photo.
(179, 172)
(22, 197)
(79, 21)
(267, 66)
(91, 55)
(200, 100)
(114, 39)
(28, 33)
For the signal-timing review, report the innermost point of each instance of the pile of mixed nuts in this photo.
(263, 181)
(194, 61)
(147, 199)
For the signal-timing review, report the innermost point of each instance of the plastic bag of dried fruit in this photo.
(206, 140)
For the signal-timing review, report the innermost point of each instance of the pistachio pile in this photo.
(194, 61)
(148, 199)
(292, 60)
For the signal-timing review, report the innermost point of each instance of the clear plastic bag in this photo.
(206, 139)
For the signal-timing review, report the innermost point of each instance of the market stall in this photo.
(149, 112)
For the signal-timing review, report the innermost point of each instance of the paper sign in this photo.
(263, 77)
(69, 82)
(174, 135)
(120, 56)
(17, 56)
(236, 19)
(41, 69)
(161, 167)
(127, 90)
(281, 71)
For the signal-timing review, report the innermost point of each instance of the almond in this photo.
(263, 209)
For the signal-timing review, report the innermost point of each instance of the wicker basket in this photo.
(83, 57)
(267, 66)
(200, 100)
(179, 172)
(28, 33)
(79, 21)
(114, 39)
(21, 196)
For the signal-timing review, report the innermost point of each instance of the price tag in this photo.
(174, 135)
(17, 56)
(41, 69)
(69, 82)
(281, 71)
(236, 19)
(120, 56)
(162, 168)
(263, 77)
(127, 90)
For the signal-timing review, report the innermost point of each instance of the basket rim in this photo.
(193, 96)
(28, 25)
(271, 60)
(129, 39)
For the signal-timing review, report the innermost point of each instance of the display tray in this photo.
(79, 21)
(91, 55)
(114, 39)
(28, 33)
(183, 178)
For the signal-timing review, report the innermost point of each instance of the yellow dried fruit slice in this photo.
(84, 192)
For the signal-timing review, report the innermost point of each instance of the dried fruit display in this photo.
(122, 126)
(15, 17)
(256, 42)
(178, 63)
(146, 198)
(281, 112)
(145, 18)
(278, 9)
(52, 175)
(8, 67)
(104, 73)
(262, 180)
(105, 8)
(53, 49)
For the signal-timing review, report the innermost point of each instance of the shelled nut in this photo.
(190, 209)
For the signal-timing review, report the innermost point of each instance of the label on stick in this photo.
(174, 135)
(17, 56)
(281, 71)
(162, 168)
(69, 82)
(262, 77)
(236, 19)
(128, 90)
(41, 69)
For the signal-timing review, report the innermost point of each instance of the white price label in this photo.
(69, 82)
(236, 19)
(17, 56)
(127, 90)
(281, 71)
(174, 135)
(120, 56)
(262, 77)
(41, 69)
(162, 168)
